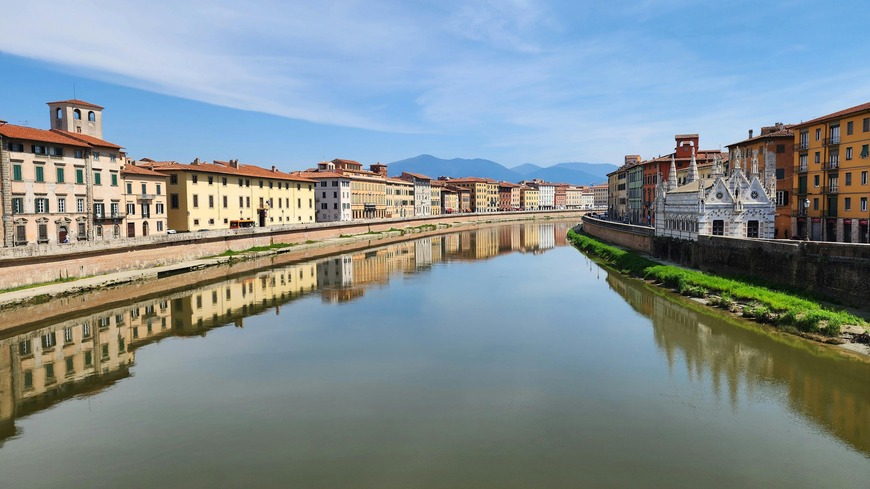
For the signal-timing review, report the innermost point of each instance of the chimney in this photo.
(750, 134)
(274, 169)
(234, 163)
(195, 162)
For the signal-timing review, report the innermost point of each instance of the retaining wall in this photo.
(839, 271)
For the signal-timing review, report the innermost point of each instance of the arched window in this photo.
(91, 116)
(77, 114)
(58, 113)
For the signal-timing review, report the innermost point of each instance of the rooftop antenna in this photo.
(74, 90)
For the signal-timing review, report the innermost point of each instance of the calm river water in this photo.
(494, 358)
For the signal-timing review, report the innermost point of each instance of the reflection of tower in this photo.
(547, 235)
(7, 399)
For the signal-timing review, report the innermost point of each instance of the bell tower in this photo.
(77, 116)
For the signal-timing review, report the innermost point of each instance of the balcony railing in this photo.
(146, 196)
(832, 141)
(802, 146)
(832, 164)
(802, 168)
(831, 189)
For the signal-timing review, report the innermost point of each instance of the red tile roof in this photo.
(418, 176)
(31, 134)
(224, 168)
(835, 115)
(75, 101)
(88, 139)
(132, 169)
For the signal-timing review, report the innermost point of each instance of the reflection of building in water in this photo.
(231, 301)
(826, 389)
(41, 367)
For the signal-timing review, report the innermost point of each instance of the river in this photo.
(498, 357)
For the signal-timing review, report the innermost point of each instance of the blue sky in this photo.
(292, 83)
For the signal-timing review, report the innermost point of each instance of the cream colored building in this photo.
(144, 201)
(529, 198)
(226, 194)
(332, 193)
(400, 197)
(60, 185)
(368, 189)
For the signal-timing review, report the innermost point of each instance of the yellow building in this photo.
(368, 189)
(226, 194)
(60, 185)
(144, 200)
(529, 198)
(399, 197)
(484, 192)
(831, 176)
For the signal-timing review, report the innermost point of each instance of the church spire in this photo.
(672, 175)
(693, 169)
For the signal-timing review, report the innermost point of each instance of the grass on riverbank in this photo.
(40, 284)
(257, 249)
(780, 309)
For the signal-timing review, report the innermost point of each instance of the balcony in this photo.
(832, 141)
(802, 146)
(832, 164)
(146, 197)
(802, 168)
(831, 189)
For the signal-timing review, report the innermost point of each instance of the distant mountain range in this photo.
(573, 173)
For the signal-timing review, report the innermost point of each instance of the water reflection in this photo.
(737, 357)
(82, 356)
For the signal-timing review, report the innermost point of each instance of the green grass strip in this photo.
(781, 309)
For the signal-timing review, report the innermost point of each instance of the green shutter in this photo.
(16, 172)
(60, 176)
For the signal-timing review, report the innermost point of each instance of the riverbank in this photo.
(786, 312)
(222, 264)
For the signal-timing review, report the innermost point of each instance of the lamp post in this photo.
(807, 214)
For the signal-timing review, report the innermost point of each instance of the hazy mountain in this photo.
(526, 168)
(574, 173)
(457, 167)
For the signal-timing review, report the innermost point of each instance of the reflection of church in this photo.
(734, 205)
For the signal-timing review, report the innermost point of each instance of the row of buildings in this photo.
(807, 180)
(68, 184)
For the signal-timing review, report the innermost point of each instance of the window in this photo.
(61, 204)
(224, 181)
(96, 156)
(866, 124)
(131, 209)
(17, 205)
(99, 209)
(81, 230)
(241, 201)
(20, 234)
(849, 153)
(780, 148)
(815, 180)
(160, 225)
(195, 200)
(816, 204)
(55, 151)
(261, 184)
(91, 116)
(194, 178)
(158, 209)
(863, 204)
(173, 201)
(16, 173)
(299, 203)
(818, 134)
(848, 178)
(781, 198)
(97, 178)
(818, 157)
(210, 180)
(864, 150)
(41, 205)
(129, 188)
(780, 173)
(225, 201)
(847, 204)
(77, 114)
(159, 190)
(40, 173)
(248, 202)
(79, 153)
(173, 179)
(113, 208)
(718, 227)
(864, 177)
(38, 149)
(80, 176)
(60, 175)
(211, 201)
(42, 233)
(114, 179)
(752, 229)
(849, 128)
(80, 205)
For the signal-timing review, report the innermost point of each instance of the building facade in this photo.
(145, 205)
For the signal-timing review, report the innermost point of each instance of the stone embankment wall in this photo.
(839, 271)
(638, 238)
(45, 263)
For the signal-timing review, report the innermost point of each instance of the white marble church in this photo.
(734, 205)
